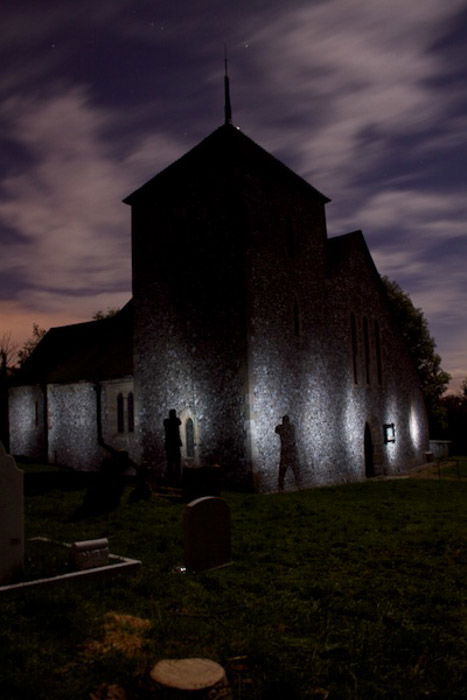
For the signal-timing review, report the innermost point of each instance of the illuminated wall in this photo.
(243, 315)
(73, 426)
(72, 429)
(26, 407)
(123, 436)
(334, 381)
(190, 325)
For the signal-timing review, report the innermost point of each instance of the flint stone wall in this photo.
(27, 430)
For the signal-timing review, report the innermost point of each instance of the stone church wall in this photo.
(372, 377)
(285, 281)
(190, 327)
(311, 378)
(72, 421)
(73, 426)
(118, 415)
(27, 432)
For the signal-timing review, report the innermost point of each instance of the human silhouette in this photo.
(289, 454)
(172, 447)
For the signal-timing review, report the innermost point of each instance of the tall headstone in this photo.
(206, 526)
(11, 517)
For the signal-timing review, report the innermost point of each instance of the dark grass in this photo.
(357, 591)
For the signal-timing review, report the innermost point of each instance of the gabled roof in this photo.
(94, 351)
(343, 254)
(225, 150)
(341, 250)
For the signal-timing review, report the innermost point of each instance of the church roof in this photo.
(345, 254)
(95, 350)
(341, 250)
(225, 150)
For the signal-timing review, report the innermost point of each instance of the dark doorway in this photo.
(369, 461)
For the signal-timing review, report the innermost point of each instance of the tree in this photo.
(7, 360)
(99, 315)
(8, 351)
(422, 348)
(37, 335)
(455, 407)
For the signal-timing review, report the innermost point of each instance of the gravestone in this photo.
(206, 529)
(89, 554)
(11, 517)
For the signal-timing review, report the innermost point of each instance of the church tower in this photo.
(223, 243)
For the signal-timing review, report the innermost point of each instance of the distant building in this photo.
(243, 312)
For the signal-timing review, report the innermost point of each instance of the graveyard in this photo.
(351, 591)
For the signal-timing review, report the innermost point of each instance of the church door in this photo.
(368, 448)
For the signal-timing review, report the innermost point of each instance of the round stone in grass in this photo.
(191, 675)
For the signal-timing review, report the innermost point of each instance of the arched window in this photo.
(120, 414)
(190, 438)
(130, 412)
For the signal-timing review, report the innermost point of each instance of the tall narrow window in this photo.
(366, 342)
(130, 412)
(379, 364)
(120, 414)
(190, 438)
(353, 328)
(36, 413)
(296, 320)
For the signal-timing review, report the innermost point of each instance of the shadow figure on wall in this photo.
(172, 445)
(289, 452)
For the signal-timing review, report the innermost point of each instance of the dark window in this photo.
(296, 320)
(120, 414)
(366, 341)
(353, 327)
(36, 413)
(131, 412)
(379, 364)
(190, 438)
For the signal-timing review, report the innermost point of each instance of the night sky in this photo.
(366, 99)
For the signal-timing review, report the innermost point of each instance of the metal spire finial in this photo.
(227, 105)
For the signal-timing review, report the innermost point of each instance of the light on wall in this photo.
(389, 433)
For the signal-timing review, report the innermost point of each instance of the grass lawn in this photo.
(356, 591)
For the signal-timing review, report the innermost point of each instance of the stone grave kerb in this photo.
(206, 530)
(11, 517)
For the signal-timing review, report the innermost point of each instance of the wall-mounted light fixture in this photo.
(389, 433)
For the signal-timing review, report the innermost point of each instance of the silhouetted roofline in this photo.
(340, 249)
(92, 350)
(225, 135)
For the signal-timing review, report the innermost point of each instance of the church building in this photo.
(274, 344)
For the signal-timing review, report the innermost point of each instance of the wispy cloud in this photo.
(358, 74)
(355, 95)
(66, 203)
